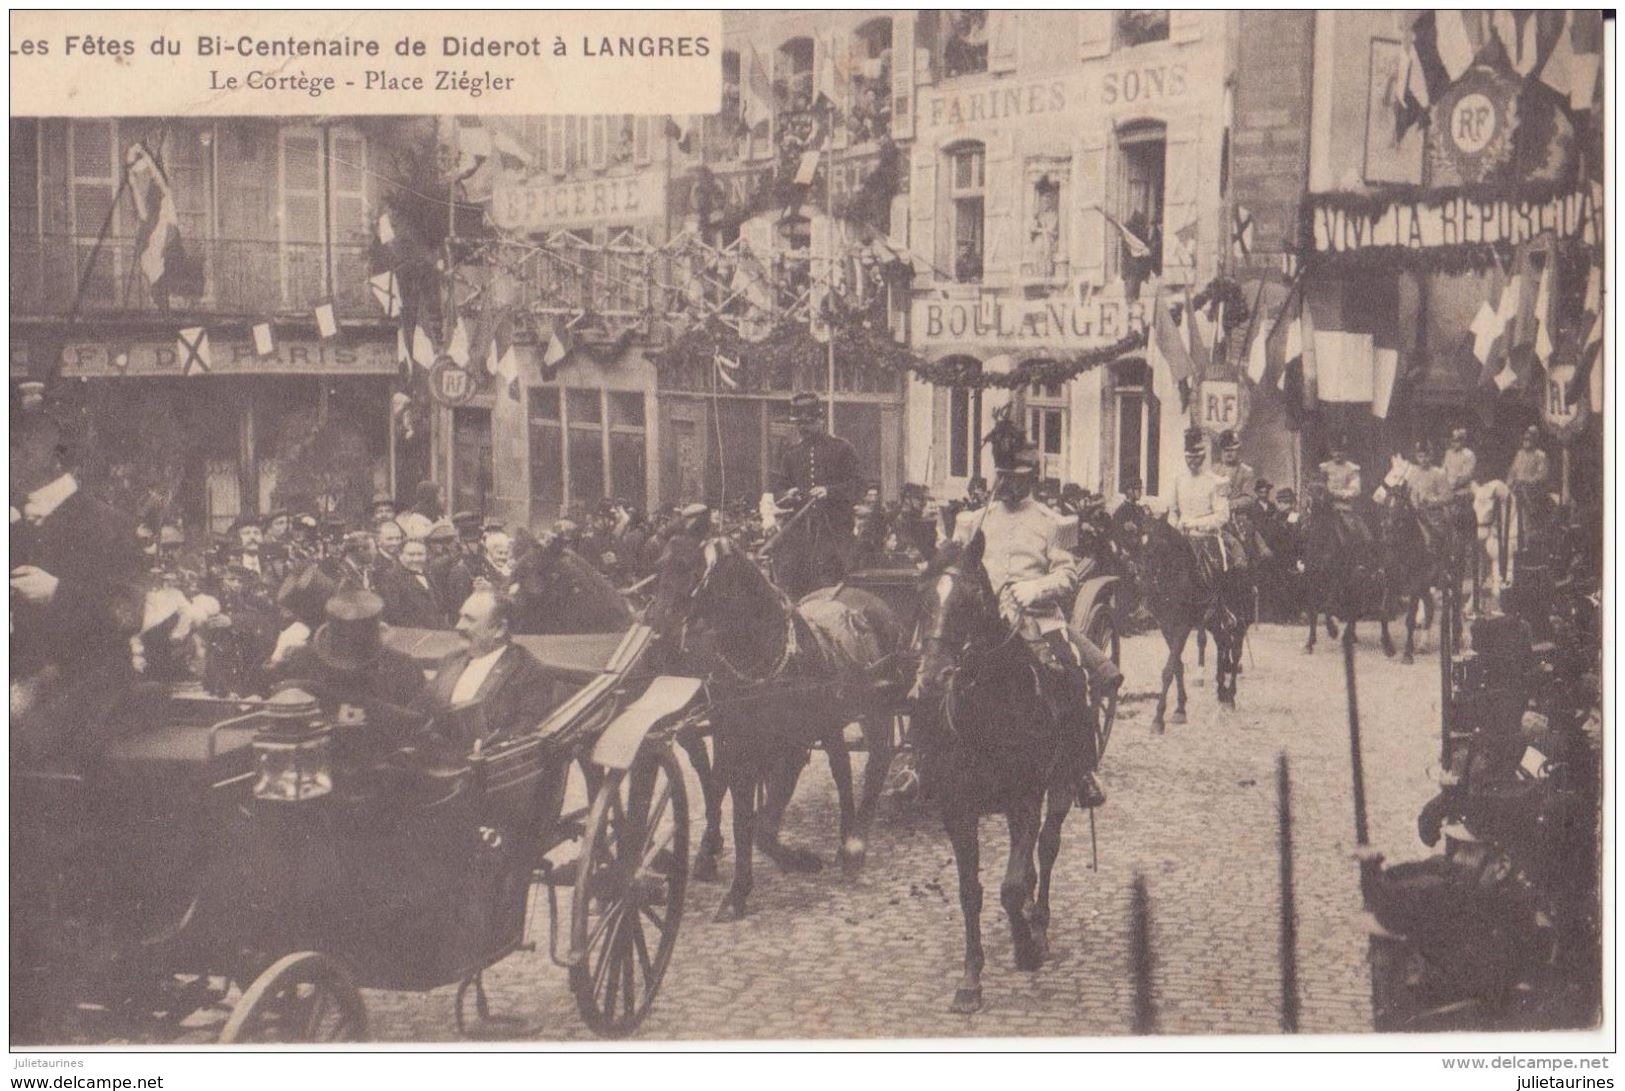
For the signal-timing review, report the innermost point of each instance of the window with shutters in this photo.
(1046, 426)
(598, 128)
(302, 222)
(352, 229)
(870, 94)
(572, 142)
(1138, 26)
(966, 196)
(93, 179)
(793, 75)
(1142, 150)
(964, 42)
(1138, 427)
(643, 128)
(556, 153)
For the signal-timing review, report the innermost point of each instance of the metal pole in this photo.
(1289, 906)
(829, 257)
(1362, 834)
(1447, 641)
(1145, 1008)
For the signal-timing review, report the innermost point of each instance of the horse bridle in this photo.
(713, 554)
(939, 636)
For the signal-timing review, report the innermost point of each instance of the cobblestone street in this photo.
(1193, 810)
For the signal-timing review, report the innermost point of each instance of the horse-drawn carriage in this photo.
(242, 869)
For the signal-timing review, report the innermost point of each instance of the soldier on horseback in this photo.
(1028, 565)
(1200, 507)
(1344, 487)
(1243, 495)
(1431, 494)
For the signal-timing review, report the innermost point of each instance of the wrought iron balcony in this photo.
(250, 278)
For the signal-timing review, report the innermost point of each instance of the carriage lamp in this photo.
(293, 758)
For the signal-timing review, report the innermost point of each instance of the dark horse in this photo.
(1182, 602)
(781, 677)
(990, 741)
(558, 591)
(1414, 562)
(1338, 573)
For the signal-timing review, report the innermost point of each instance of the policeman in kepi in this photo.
(1028, 563)
(819, 470)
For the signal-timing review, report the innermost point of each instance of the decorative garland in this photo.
(790, 348)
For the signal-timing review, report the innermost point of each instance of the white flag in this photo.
(327, 323)
(386, 229)
(264, 339)
(422, 348)
(458, 349)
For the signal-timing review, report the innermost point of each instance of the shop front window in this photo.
(585, 444)
(1046, 427)
(965, 423)
(473, 473)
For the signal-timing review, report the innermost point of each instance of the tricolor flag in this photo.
(458, 348)
(159, 253)
(1169, 342)
(192, 347)
(1517, 33)
(264, 339)
(386, 229)
(558, 347)
(1543, 314)
(386, 289)
(423, 353)
(327, 321)
(1136, 245)
(1455, 42)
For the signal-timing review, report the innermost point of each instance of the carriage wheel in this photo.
(629, 892)
(1101, 629)
(302, 997)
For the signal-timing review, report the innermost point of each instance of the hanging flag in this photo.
(1136, 245)
(192, 346)
(1412, 98)
(1517, 33)
(1169, 342)
(1385, 373)
(386, 289)
(386, 229)
(1455, 44)
(756, 104)
(119, 356)
(160, 254)
(327, 322)
(558, 347)
(807, 170)
(1543, 313)
(423, 353)
(1587, 374)
(264, 339)
(1486, 330)
(458, 348)
(1241, 233)
(1198, 329)
(1185, 244)
(510, 152)
(726, 369)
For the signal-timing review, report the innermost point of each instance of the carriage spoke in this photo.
(654, 918)
(642, 946)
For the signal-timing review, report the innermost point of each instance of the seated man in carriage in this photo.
(491, 689)
(1035, 577)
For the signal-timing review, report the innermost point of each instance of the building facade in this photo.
(1066, 170)
(274, 219)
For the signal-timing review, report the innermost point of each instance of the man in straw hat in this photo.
(1027, 561)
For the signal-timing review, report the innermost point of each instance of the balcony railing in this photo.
(240, 277)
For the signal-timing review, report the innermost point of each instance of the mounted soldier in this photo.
(1028, 564)
(1200, 507)
(1431, 495)
(817, 485)
(1344, 488)
(1242, 480)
